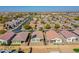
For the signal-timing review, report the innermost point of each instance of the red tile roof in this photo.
(39, 34)
(7, 36)
(51, 35)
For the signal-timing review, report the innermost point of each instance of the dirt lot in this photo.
(1, 26)
(45, 49)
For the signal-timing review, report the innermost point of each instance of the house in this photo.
(33, 24)
(37, 38)
(76, 31)
(70, 37)
(20, 38)
(40, 26)
(20, 18)
(6, 38)
(33, 21)
(9, 25)
(52, 37)
(13, 21)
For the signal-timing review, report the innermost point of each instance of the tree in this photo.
(47, 26)
(27, 26)
(57, 26)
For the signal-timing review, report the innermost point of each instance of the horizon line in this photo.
(39, 8)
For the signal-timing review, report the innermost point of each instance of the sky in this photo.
(39, 8)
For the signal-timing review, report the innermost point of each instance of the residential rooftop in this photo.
(7, 36)
(68, 34)
(76, 31)
(51, 34)
(22, 36)
(38, 34)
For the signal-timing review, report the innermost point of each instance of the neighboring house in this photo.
(6, 38)
(33, 21)
(76, 31)
(17, 21)
(37, 38)
(52, 37)
(70, 37)
(9, 25)
(40, 26)
(21, 19)
(20, 38)
(78, 28)
(13, 23)
(33, 25)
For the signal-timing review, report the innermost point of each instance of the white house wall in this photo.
(71, 39)
(35, 39)
(3, 41)
(58, 40)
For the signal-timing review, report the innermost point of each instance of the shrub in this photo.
(2, 31)
(4, 44)
(47, 26)
(27, 26)
(76, 49)
(57, 26)
(76, 25)
(77, 18)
